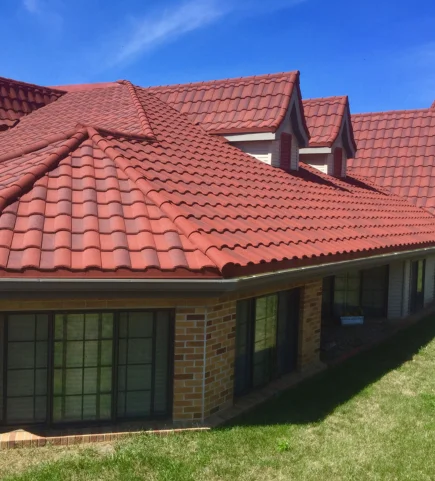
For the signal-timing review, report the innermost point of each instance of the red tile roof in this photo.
(324, 117)
(247, 104)
(113, 182)
(18, 99)
(397, 149)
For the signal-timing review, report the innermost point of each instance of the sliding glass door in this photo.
(85, 367)
(266, 339)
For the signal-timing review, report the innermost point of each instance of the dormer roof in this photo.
(328, 118)
(238, 105)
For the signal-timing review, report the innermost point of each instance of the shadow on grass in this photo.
(315, 398)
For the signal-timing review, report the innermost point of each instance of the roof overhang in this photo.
(102, 288)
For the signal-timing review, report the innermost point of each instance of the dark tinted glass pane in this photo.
(140, 324)
(21, 383)
(21, 355)
(74, 353)
(139, 351)
(73, 381)
(139, 377)
(90, 380)
(20, 409)
(105, 406)
(21, 327)
(105, 379)
(42, 327)
(138, 403)
(91, 353)
(92, 326)
(107, 325)
(41, 382)
(75, 326)
(59, 326)
(89, 407)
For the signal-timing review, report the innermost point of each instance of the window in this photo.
(266, 339)
(417, 285)
(358, 292)
(83, 359)
(347, 288)
(81, 367)
(374, 291)
(142, 364)
(26, 359)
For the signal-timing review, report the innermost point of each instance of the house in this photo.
(150, 268)
(397, 150)
(261, 115)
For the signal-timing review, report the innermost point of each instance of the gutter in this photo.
(164, 287)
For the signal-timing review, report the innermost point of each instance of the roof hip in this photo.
(200, 240)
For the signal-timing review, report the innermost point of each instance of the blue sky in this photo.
(379, 52)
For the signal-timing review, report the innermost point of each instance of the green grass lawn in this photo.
(370, 418)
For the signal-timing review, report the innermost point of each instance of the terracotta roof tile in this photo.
(324, 117)
(114, 182)
(247, 104)
(397, 149)
(18, 99)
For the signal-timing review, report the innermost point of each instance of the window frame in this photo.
(50, 367)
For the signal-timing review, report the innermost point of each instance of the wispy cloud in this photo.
(138, 36)
(31, 6)
(161, 27)
(44, 12)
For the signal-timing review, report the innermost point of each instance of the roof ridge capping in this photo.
(143, 118)
(226, 80)
(430, 110)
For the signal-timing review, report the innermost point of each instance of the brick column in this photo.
(189, 363)
(220, 353)
(310, 324)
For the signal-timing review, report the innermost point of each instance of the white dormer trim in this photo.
(315, 150)
(251, 137)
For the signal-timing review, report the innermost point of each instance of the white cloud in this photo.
(138, 36)
(44, 12)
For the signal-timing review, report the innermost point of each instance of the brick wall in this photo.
(204, 373)
(220, 354)
(189, 353)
